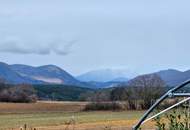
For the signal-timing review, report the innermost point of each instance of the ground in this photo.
(64, 116)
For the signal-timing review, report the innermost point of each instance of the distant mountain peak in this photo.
(104, 75)
(170, 70)
(173, 77)
(51, 68)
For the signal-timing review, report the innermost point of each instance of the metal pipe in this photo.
(167, 109)
(150, 110)
(181, 94)
(168, 94)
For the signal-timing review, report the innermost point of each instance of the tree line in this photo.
(139, 93)
(22, 93)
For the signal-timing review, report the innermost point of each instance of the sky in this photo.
(82, 35)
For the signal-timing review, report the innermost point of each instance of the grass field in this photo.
(60, 115)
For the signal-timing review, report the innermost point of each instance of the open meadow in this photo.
(63, 116)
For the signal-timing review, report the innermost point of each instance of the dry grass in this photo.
(41, 106)
(56, 115)
(113, 125)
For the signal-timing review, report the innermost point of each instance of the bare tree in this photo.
(118, 94)
(144, 90)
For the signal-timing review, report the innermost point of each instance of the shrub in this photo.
(97, 106)
(175, 120)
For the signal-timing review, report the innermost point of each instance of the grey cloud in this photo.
(64, 50)
(23, 47)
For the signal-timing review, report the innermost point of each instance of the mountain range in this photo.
(51, 74)
(48, 74)
(174, 77)
(105, 75)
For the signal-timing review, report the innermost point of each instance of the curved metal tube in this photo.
(167, 109)
(168, 94)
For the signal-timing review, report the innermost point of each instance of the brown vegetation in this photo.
(41, 106)
(19, 93)
(104, 106)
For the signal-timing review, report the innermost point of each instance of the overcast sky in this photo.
(82, 35)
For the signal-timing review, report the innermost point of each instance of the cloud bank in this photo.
(36, 46)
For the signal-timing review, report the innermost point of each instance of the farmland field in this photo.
(63, 116)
